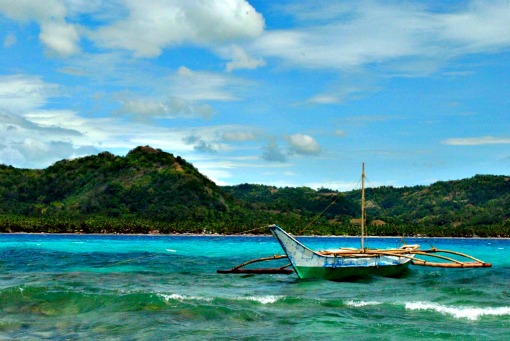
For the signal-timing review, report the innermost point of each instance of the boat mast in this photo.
(363, 214)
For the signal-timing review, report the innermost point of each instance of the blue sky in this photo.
(285, 93)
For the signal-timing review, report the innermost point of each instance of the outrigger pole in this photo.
(450, 262)
(238, 269)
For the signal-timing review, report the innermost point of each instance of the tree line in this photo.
(151, 191)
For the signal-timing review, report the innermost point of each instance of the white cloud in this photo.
(273, 153)
(117, 134)
(20, 93)
(341, 93)
(59, 36)
(32, 136)
(202, 86)
(303, 144)
(215, 169)
(30, 128)
(172, 107)
(100, 10)
(10, 155)
(31, 143)
(140, 27)
(410, 36)
(367, 33)
(476, 141)
(19, 126)
(239, 136)
(151, 85)
(483, 26)
(184, 93)
(324, 99)
(26, 10)
(403, 37)
(33, 149)
(241, 60)
(164, 23)
(200, 145)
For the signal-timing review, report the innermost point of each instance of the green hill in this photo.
(149, 190)
(146, 184)
(460, 207)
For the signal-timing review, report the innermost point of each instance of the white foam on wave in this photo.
(362, 303)
(260, 299)
(177, 297)
(171, 250)
(470, 313)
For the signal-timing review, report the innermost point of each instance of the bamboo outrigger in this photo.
(448, 262)
(238, 269)
(345, 263)
(451, 262)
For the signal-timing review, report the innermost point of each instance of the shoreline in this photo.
(236, 235)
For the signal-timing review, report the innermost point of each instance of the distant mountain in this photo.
(447, 207)
(146, 184)
(149, 190)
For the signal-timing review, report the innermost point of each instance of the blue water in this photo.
(117, 287)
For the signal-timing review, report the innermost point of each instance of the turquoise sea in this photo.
(125, 287)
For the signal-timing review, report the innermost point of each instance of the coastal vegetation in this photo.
(151, 191)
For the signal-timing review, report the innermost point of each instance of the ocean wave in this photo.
(177, 297)
(362, 303)
(260, 299)
(470, 313)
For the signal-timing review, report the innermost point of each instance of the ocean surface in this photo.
(124, 287)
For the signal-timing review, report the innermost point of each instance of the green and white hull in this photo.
(337, 266)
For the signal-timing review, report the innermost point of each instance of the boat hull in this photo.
(311, 264)
(341, 273)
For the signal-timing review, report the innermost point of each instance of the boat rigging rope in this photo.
(309, 224)
(306, 227)
(319, 215)
(251, 230)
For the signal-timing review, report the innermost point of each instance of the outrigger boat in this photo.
(345, 263)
